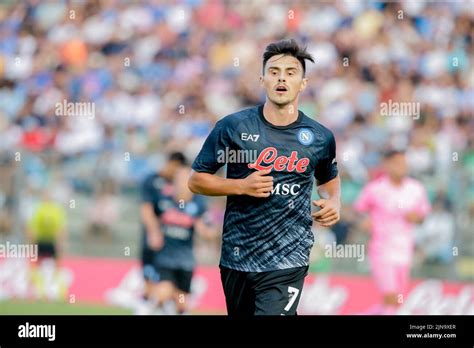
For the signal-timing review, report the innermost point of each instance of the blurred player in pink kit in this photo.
(395, 203)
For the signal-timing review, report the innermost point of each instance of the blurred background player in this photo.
(180, 215)
(47, 229)
(154, 187)
(395, 204)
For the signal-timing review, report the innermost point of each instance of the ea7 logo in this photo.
(251, 137)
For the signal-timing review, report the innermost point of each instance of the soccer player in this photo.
(267, 233)
(181, 215)
(154, 187)
(47, 229)
(395, 203)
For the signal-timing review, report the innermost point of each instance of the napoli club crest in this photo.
(305, 136)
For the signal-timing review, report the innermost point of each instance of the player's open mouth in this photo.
(281, 89)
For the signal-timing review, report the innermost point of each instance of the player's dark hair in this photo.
(287, 47)
(178, 157)
(389, 153)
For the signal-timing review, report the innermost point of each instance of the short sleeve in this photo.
(326, 168)
(210, 158)
(147, 191)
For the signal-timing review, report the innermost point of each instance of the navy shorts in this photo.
(263, 293)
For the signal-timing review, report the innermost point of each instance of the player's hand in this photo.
(365, 224)
(413, 217)
(329, 214)
(156, 240)
(258, 184)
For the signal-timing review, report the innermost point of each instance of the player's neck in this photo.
(280, 116)
(165, 173)
(396, 181)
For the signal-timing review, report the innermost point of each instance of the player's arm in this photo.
(257, 184)
(154, 236)
(206, 164)
(206, 231)
(329, 186)
(152, 226)
(329, 203)
(363, 206)
(414, 217)
(213, 185)
(62, 239)
(62, 236)
(423, 208)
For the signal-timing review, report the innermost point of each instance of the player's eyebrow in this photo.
(272, 67)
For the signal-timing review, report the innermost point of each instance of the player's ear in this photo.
(261, 81)
(304, 82)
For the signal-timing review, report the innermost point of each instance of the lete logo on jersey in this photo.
(279, 163)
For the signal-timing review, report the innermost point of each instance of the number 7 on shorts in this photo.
(293, 293)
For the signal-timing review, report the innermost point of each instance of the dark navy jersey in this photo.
(153, 188)
(264, 234)
(177, 220)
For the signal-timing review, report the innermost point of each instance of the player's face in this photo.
(397, 166)
(283, 79)
(170, 169)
